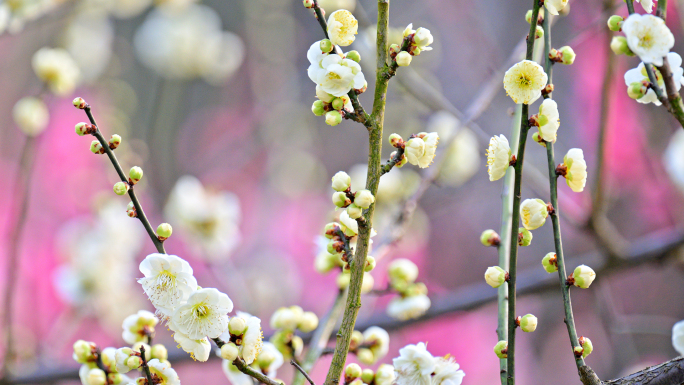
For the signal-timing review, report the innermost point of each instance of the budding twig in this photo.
(144, 365)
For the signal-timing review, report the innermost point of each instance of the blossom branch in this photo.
(392, 161)
(302, 371)
(246, 369)
(131, 192)
(144, 365)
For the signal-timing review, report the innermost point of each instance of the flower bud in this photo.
(326, 45)
(297, 345)
(81, 128)
(354, 211)
(352, 371)
(333, 118)
(578, 351)
(159, 352)
(138, 345)
(400, 163)
(619, 46)
(237, 326)
(164, 231)
(637, 90)
(550, 263)
(587, 346)
(490, 238)
(414, 289)
(615, 23)
(538, 32)
(133, 362)
(330, 230)
(79, 103)
(308, 322)
(353, 55)
(528, 16)
(533, 213)
(365, 356)
(335, 246)
(402, 270)
(340, 199)
(396, 140)
(120, 188)
(403, 59)
(528, 323)
(364, 198)
(131, 211)
(537, 138)
(367, 376)
(495, 276)
(96, 147)
(135, 174)
(501, 349)
(114, 141)
(96, 376)
(83, 351)
(337, 104)
(229, 351)
(370, 264)
(394, 49)
(567, 55)
(265, 359)
(583, 276)
(524, 237)
(358, 381)
(318, 108)
(355, 340)
(341, 181)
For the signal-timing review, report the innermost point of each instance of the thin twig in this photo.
(302, 371)
(144, 365)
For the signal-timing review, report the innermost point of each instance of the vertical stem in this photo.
(661, 11)
(372, 180)
(515, 220)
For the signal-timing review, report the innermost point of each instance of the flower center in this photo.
(646, 40)
(524, 80)
(166, 280)
(333, 76)
(200, 310)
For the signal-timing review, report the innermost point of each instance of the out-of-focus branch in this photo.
(667, 373)
(246, 369)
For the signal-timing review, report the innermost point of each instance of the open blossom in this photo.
(168, 281)
(498, 157)
(415, 365)
(57, 69)
(648, 37)
(447, 372)
(164, 372)
(199, 349)
(342, 26)
(316, 56)
(338, 76)
(136, 327)
(548, 120)
(404, 308)
(639, 75)
(555, 6)
(252, 340)
(576, 174)
(31, 115)
(422, 154)
(205, 314)
(533, 213)
(422, 40)
(647, 5)
(678, 337)
(524, 82)
(384, 375)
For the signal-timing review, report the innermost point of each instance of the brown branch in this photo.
(302, 371)
(667, 373)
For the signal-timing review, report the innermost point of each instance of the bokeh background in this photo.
(213, 102)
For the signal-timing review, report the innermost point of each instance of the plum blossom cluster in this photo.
(384, 375)
(412, 301)
(416, 366)
(415, 41)
(419, 150)
(268, 361)
(285, 321)
(370, 346)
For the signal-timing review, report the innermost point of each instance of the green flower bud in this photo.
(367, 376)
(587, 346)
(133, 362)
(365, 356)
(354, 211)
(308, 3)
(402, 270)
(414, 289)
(120, 188)
(114, 141)
(403, 160)
(333, 118)
(528, 16)
(79, 103)
(96, 147)
(352, 371)
(538, 32)
(135, 174)
(550, 262)
(495, 276)
(501, 349)
(335, 246)
(637, 90)
(265, 359)
(83, 351)
(164, 231)
(619, 46)
(490, 238)
(308, 322)
(524, 237)
(396, 140)
(82, 128)
(326, 46)
(354, 55)
(340, 199)
(159, 352)
(229, 351)
(615, 23)
(337, 104)
(370, 264)
(578, 351)
(318, 108)
(115, 378)
(237, 326)
(567, 55)
(537, 138)
(131, 211)
(528, 323)
(330, 230)
(297, 345)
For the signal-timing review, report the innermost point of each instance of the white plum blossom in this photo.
(447, 372)
(414, 366)
(648, 37)
(549, 120)
(31, 115)
(137, 326)
(576, 174)
(422, 154)
(524, 81)
(348, 225)
(422, 39)
(205, 314)
(199, 349)
(208, 220)
(678, 337)
(533, 213)
(57, 69)
(342, 26)
(414, 149)
(583, 276)
(164, 372)
(555, 6)
(378, 339)
(647, 5)
(278, 359)
(495, 276)
(408, 307)
(639, 74)
(384, 375)
(168, 281)
(315, 57)
(498, 157)
(339, 75)
(252, 340)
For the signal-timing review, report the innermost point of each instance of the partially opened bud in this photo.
(229, 351)
(164, 231)
(341, 181)
(528, 323)
(587, 346)
(364, 198)
(495, 276)
(159, 352)
(120, 188)
(583, 276)
(533, 213)
(490, 238)
(403, 59)
(96, 377)
(83, 351)
(567, 55)
(354, 211)
(550, 263)
(501, 349)
(524, 237)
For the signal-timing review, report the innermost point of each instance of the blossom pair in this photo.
(416, 366)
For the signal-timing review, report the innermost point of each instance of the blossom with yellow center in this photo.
(205, 314)
(342, 26)
(533, 213)
(524, 81)
(168, 281)
(648, 37)
(638, 75)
